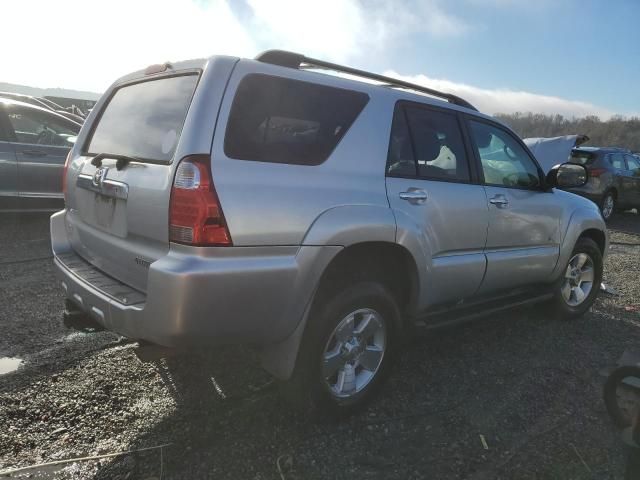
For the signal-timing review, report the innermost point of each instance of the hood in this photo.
(552, 151)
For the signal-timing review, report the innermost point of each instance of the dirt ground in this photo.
(530, 386)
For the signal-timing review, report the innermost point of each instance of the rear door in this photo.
(8, 166)
(633, 176)
(622, 179)
(523, 241)
(42, 142)
(430, 182)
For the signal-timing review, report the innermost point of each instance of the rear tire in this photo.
(578, 286)
(608, 205)
(346, 352)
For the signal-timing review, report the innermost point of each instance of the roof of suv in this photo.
(358, 79)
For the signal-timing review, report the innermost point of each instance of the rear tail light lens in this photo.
(64, 174)
(596, 172)
(195, 215)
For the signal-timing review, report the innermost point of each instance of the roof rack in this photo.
(297, 60)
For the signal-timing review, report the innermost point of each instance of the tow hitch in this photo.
(76, 319)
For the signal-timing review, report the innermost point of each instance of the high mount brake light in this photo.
(195, 214)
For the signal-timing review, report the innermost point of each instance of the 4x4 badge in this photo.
(99, 176)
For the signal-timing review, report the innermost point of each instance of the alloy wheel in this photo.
(354, 352)
(578, 279)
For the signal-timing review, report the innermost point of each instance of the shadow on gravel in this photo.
(515, 397)
(628, 221)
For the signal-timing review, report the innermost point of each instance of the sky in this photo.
(572, 57)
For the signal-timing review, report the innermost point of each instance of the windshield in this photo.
(144, 120)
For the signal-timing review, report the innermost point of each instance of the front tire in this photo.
(347, 350)
(578, 287)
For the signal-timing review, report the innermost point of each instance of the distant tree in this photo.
(616, 132)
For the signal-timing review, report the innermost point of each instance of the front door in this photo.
(42, 142)
(523, 241)
(430, 189)
(8, 166)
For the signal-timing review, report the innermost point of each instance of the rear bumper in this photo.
(198, 296)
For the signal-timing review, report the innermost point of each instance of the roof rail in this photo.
(297, 60)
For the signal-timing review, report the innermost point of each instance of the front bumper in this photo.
(198, 296)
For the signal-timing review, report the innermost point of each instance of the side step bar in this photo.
(462, 314)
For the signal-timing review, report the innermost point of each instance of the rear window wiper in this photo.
(121, 160)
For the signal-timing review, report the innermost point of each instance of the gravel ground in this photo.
(529, 385)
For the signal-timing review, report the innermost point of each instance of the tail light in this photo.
(596, 172)
(195, 215)
(64, 174)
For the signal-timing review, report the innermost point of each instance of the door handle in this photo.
(414, 195)
(499, 201)
(35, 153)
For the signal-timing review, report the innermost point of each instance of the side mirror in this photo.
(567, 175)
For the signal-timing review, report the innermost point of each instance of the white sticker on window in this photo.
(169, 141)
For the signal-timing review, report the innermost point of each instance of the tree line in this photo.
(616, 132)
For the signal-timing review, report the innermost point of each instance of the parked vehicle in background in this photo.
(315, 217)
(72, 114)
(34, 143)
(614, 178)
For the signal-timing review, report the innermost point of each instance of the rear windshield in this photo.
(582, 157)
(280, 120)
(144, 120)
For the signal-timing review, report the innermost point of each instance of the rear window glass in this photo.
(144, 120)
(583, 158)
(281, 120)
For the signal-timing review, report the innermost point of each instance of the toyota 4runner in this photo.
(315, 217)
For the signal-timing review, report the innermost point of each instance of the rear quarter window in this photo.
(583, 158)
(280, 120)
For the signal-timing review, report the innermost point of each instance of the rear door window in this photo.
(144, 120)
(281, 120)
(617, 161)
(633, 163)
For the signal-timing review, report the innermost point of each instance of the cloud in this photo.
(501, 100)
(86, 44)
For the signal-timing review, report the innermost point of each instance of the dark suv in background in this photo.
(614, 178)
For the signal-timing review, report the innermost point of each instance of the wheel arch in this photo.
(584, 222)
(386, 262)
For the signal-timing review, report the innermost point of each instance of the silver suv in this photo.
(315, 217)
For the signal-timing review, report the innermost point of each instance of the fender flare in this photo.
(581, 220)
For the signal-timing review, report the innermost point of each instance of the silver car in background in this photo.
(314, 217)
(34, 143)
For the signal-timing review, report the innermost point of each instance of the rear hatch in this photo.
(583, 157)
(118, 189)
